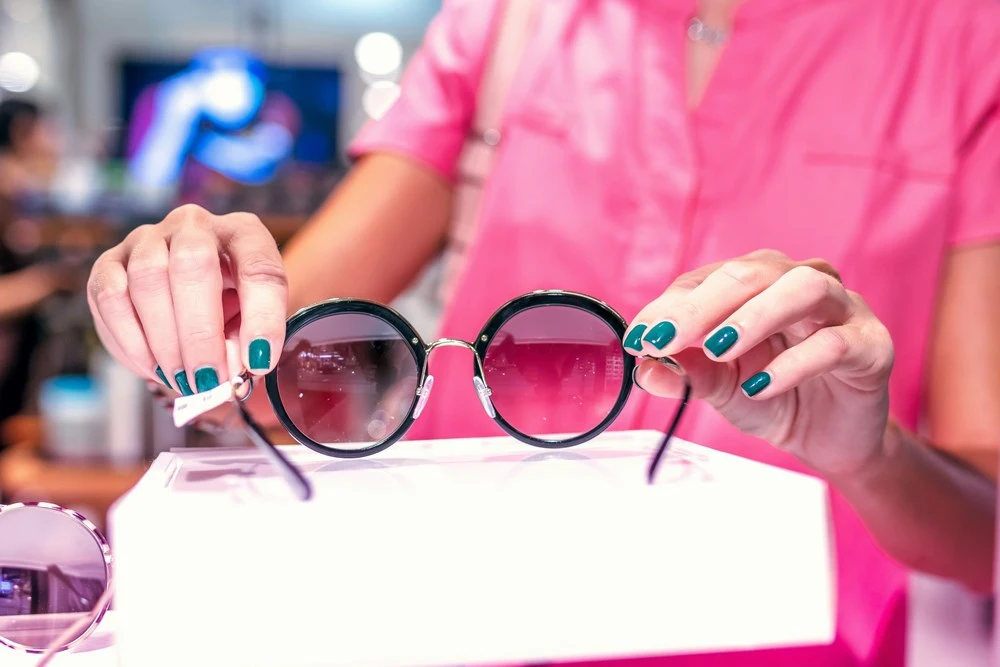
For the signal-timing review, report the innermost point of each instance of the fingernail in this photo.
(182, 383)
(756, 383)
(633, 340)
(205, 379)
(260, 355)
(163, 377)
(661, 334)
(721, 340)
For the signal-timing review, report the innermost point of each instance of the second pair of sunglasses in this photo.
(549, 368)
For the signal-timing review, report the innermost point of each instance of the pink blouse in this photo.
(866, 133)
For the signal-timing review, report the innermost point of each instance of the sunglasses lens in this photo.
(348, 381)
(555, 371)
(52, 573)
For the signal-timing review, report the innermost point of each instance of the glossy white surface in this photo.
(459, 552)
(97, 651)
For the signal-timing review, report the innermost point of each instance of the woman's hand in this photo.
(166, 300)
(781, 349)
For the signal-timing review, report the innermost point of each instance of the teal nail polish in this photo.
(181, 379)
(163, 378)
(721, 341)
(756, 383)
(205, 379)
(661, 334)
(260, 355)
(633, 340)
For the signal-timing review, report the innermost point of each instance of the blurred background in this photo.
(112, 112)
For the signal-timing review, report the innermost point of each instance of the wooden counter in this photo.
(26, 475)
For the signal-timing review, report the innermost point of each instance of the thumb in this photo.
(709, 380)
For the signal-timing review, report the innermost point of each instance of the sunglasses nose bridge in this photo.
(451, 342)
(479, 382)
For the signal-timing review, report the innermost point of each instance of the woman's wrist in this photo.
(882, 459)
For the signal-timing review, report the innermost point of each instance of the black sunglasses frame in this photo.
(421, 353)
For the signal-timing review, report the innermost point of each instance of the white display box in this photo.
(469, 552)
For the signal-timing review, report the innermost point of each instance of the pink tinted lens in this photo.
(555, 371)
(52, 573)
(348, 380)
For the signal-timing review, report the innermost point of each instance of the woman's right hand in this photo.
(168, 298)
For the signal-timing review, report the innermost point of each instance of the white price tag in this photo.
(189, 408)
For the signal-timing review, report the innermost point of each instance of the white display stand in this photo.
(466, 552)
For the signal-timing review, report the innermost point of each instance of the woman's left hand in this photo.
(781, 349)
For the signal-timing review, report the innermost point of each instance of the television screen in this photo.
(225, 126)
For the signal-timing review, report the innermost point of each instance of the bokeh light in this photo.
(18, 72)
(378, 54)
(23, 11)
(379, 97)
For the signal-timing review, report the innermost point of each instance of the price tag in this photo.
(189, 408)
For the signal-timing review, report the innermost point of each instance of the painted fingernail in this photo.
(205, 379)
(660, 335)
(163, 377)
(633, 340)
(721, 341)
(181, 379)
(260, 355)
(756, 383)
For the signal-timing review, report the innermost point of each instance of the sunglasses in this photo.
(548, 367)
(55, 578)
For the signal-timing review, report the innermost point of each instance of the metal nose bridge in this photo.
(452, 342)
(478, 381)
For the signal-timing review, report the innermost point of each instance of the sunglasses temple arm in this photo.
(665, 443)
(296, 480)
(75, 630)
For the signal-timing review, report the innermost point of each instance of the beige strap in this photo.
(502, 63)
(425, 299)
(476, 160)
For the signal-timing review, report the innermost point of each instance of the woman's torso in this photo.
(831, 128)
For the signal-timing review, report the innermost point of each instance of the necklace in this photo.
(698, 31)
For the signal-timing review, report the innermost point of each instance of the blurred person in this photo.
(684, 162)
(28, 157)
(29, 148)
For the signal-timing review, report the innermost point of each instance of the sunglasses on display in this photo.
(548, 367)
(55, 578)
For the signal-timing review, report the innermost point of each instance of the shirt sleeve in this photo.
(977, 205)
(431, 119)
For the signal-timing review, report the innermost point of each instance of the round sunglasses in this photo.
(55, 578)
(548, 367)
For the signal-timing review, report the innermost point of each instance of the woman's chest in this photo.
(811, 138)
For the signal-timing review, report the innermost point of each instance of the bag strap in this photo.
(510, 36)
(501, 67)
(479, 152)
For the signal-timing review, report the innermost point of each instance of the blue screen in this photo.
(308, 97)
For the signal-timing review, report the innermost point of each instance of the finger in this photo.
(715, 383)
(649, 331)
(804, 294)
(148, 270)
(659, 379)
(234, 361)
(259, 276)
(857, 355)
(682, 318)
(111, 345)
(196, 286)
(823, 266)
(116, 320)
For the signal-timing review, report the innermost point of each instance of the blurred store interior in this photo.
(116, 112)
